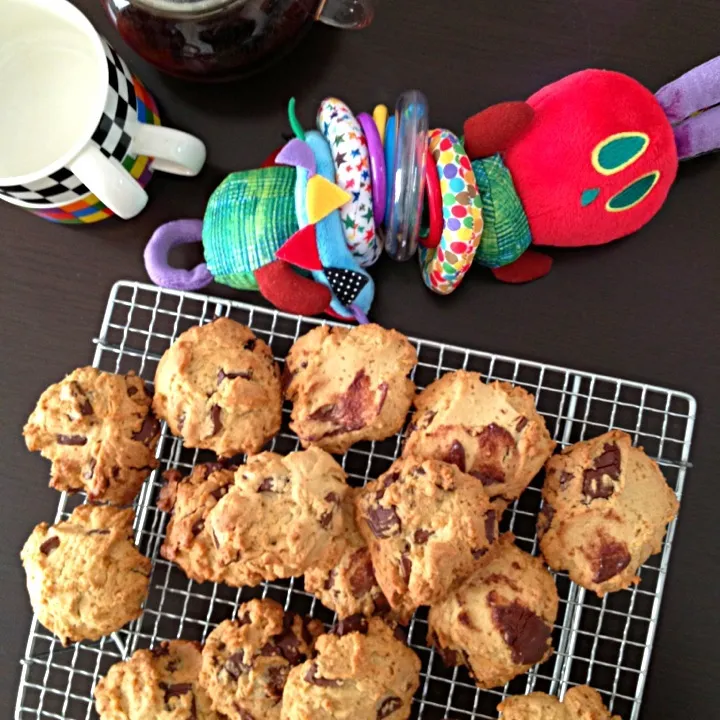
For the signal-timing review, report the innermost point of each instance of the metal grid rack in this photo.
(605, 643)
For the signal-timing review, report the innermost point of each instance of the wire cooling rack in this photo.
(605, 643)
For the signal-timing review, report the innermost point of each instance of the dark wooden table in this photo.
(645, 308)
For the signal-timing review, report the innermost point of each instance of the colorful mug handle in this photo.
(346, 14)
(173, 151)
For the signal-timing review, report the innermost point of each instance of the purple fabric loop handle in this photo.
(166, 237)
(358, 314)
(378, 173)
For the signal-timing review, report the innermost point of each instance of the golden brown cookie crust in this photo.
(499, 623)
(85, 577)
(157, 684)
(273, 517)
(348, 385)
(188, 541)
(283, 514)
(606, 509)
(490, 430)
(349, 586)
(246, 661)
(99, 433)
(580, 703)
(218, 387)
(361, 672)
(428, 526)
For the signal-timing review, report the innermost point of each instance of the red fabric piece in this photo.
(301, 250)
(530, 266)
(492, 130)
(291, 292)
(270, 159)
(329, 311)
(551, 163)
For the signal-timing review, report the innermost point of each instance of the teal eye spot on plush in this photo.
(633, 194)
(589, 196)
(619, 151)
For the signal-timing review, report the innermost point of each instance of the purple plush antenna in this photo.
(692, 105)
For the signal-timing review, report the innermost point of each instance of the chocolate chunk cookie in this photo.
(361, 671)
(580, 703)
(490, 430)
(85, 576)
(428, 526)
(218, 388)
(349, 587)
(157, 684)
(97, 430)
(348, 385)
(188, 540)
(246, 661)
(274, 518)
(499, 623)
(283, 515)
(606, 508)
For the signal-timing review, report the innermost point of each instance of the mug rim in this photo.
(68, 11)
(25, 205)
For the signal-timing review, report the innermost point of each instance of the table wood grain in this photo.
(645, 308)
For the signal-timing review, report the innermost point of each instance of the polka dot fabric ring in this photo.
(352, 170)
(444, 267)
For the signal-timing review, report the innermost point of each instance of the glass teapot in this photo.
(225, 39)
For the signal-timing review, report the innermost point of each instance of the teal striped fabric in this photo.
(248, 218)
(506, 234)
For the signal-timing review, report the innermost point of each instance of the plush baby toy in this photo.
(275, 229)
(590, 157)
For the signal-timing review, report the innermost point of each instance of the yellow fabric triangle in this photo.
(323, 197)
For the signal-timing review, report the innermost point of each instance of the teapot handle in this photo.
(346, 14)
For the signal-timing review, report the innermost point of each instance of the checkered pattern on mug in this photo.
(111, 137)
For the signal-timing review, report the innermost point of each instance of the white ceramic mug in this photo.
(79, 133)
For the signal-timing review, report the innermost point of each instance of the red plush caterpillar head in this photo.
(596, 162)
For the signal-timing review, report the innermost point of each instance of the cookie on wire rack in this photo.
(157, 684)
(246, 661)
(606, 509)
(218, 387)
(580, 703)
(273, 517)
(360, 671)
(499, 623)
(490, 430)
(98, 431)
(428, 527)
(85, 577)
(348, 385)
(349, 587)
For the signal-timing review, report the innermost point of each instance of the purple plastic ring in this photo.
(377, 166)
